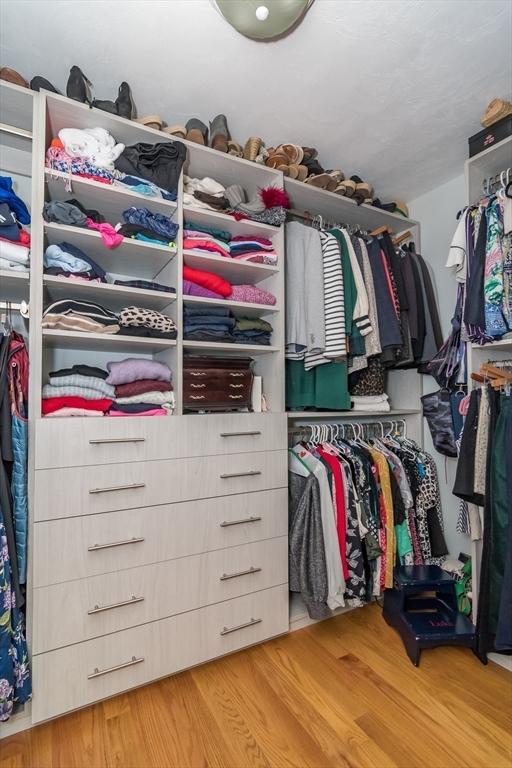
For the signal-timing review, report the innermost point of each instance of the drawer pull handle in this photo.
(250, 473)
(197, 373)
(227, 576)
(197, 386)
(237, 375)
(99, 672)
(133, 540)
(235, 397)
(251, 623)
(112, 440)
(197, 397)
(241, 434)
(236, 386)
(227, 523)
(129, 487)
(101, 608)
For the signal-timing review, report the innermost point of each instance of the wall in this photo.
(436, 211)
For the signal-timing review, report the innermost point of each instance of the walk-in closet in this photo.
(255, 384)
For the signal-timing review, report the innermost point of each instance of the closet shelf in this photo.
(229, 223)
(503, 345)
(109, 199)
(131, 257)
(238, 308)
(353, 415)
(214, 346)
(17, 105)
(15, 131)
(343, 210)
(13, 284)
(99, 342)
(114, 296)
(230, 269)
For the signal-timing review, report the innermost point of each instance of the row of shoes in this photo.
(292, 160)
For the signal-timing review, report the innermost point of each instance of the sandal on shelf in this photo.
(235, 149)
(363, 190)
(350, 187)
(276, 159)
(219, 134)
(176, 130)
(252, 148)
(151, 121)
(284, 168)
(293, 152)
(303, 172)
(196, 131)
(293, 171)
(320, 180)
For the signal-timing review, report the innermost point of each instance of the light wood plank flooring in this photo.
(340, 693)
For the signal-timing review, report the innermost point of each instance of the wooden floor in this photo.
(340, 693)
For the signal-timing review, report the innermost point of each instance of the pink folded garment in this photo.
(111, 238)
(253, 294)
(72, 412)
(194, 243)
(152, 412)
(264, 241)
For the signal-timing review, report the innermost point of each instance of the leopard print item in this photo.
(370, 381)
(148, 318)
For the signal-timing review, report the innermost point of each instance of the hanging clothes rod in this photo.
(21, 307)
(321, 222)
(15, 131)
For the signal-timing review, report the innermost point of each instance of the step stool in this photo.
(426, 620)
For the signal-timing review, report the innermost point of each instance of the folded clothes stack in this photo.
(142, 224)
(88, 317)
(66, 260)
(377, 403)
(218, 324)
(208, 324)
(137, 321)
(84, 316)
(142, 387)
(14, 240)
(255, 249)
(208, 285)
(268, 206)
(81, 390)
(205, 243)
(94, 154)
(252, 331)
(72, 213)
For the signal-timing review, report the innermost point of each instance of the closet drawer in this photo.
(78, 547)
(75, 676)
(89, 490)
(82, 442)
(103, 604)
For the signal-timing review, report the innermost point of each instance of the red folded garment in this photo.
(142, 386)
(51, 404)
(207, 280)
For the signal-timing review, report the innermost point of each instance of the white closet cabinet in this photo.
(155, 543)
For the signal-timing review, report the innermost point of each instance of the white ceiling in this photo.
(387, 89)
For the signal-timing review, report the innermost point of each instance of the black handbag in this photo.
(438, 413)
(445, 364)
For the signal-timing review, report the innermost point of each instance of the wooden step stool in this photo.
(422, 607)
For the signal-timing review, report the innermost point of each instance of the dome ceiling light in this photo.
(263, 20)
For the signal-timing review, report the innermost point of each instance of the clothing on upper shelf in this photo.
(15, 677)
(268, 207)
(481, 257)
(85, 316)
(14, 240)
(211, 323)
(147, 285)
(484, 478)
(352, 304)
(154, 222)
(258, 250)
(159, 163)
(357, 508)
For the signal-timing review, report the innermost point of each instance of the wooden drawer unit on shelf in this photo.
(80, 674)
(74, 491)
(79, 547)
(108, 603)
(81, 442)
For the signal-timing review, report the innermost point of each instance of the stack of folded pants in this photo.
(208, 324)
(142, 224)
(252, 331)
(85, 316)
(142, 387)
(137, 321)
(255, 249)
(81, 390)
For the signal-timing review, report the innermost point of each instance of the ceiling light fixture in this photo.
(263, 22)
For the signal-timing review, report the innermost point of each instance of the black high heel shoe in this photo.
(78, 86)
(124, 102)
